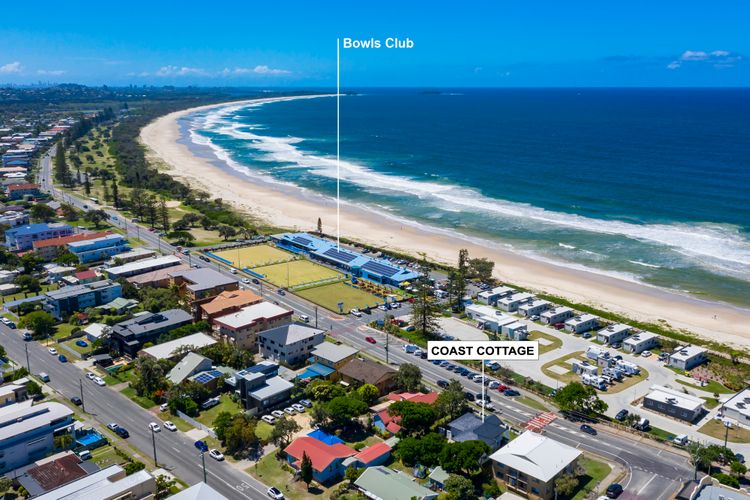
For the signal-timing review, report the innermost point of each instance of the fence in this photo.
(196, 424)
(220, 259)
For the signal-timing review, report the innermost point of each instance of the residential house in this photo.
(50, 473)
(198, 491)
(227, 303)
(737, 407)
(129, 336)
(138, 253)
(290, 343)
(260, 387)
(558, 314)
(471, 427)
(327, 459)
(50, 248)
(111, 483)
(388, 423)
(158, 278)
(582, 323)
(534, 308)
(190, 364)
(437, 478)
(20, 191)
(383, 483)
(7, 277)
(212, 379)
(613, 334)
(676, 404)
(688, 357)
(170, 349)
(56, 273)
(27, 432)
(98, 249)
(142, 266)
(196, 286)
(119, 305)
(13, 393)
(531, 463)
(14, 219)
(490, 297)
(641, 341)
(511, 303)
(363, 371)
(64, 301)
(333, 355)
(96, 331)
(23, 237)
(376, 454)
(517, 330)
(241, 328)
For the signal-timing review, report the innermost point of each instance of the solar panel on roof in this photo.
(379, 268)
(301, 240)
(342, 256)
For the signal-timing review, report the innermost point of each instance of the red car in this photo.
(558, 326)
(370, 340)
(502, 387)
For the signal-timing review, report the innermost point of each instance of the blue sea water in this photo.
(647, 184)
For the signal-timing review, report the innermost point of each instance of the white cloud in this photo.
(179, 71)
(720, 53)
(14, 67)
(50, 72)
(674, 65)
(265, 70)
(694, 55)
(720, 59)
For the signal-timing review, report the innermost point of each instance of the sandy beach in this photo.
(299, 210)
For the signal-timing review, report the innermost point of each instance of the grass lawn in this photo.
(556, 343)
(64, 330)
(226, 404)
(255, 256)
(737, 434)
(661, 433)
(296, 273)
(23, 295)
(106, 456)
(712, 386)
(263, 430)
(711, 403)
(178, 422)
(329, 296)
(143, 402)
(532, 403)
(80, 350)
(595, 473)
(269, 471)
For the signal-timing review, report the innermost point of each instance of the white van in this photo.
(304, 317)
(681, 440)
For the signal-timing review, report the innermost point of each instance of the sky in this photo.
(494, 43)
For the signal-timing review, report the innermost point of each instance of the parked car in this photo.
(622, 415)
(27, 336)
(586, 335)
(503, 387)
(99, 381)
(511, 392)
(52, 351)
(306, 402)
(370, 340)
(90, 375)
(216, 454)
(614, 490)
(289, 410)
(62, 358)
(81, 343)
(122, 432)
(76, 401)
(246, 281)
(588, 429)
(280, 292)
(275, 493)
(277, 413)
(113, 426)
(256, 281)
(442, 383)
(469, 396)
(154, 427)
(298, 407)
(494, 384)
(645, 354)
(739, 457)
(44, 376)
(268, 419)
(478, 397)
(356, 312)
(163, 407)
(210, 403)
(169, 425)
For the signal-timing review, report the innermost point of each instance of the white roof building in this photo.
(142, 266)
(251, 314)
(537, 456)
(737, 407)
(165, 350)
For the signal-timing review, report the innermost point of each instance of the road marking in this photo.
(647, 483)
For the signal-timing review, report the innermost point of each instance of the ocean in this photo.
(649, 185)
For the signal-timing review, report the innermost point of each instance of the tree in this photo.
(69, 213)
(66, 259)
(115, 194)
(184, 238)
(41, 324)
(457, 280)
(352, 474)
(425, 450)
(62, 170)
(459, 488)
(319, 414)
(96, 217)
(368, 393)
(221, 423)
(481, 268)
(32, 387)
(566, 484)
(464, 457)
(424, 309)
(87, 182)
(164, 486)
(30, 262)
(409, 377)
(158, 299)
(28, 282)
(227, 232)
(240, 437)
(42, 213)
(451, 403)
(149, 377)
(306, 470)
(320, 226)
(6, 484)
(738, 468)
(578, 397)
(323, 390)
(701, 456)
(3, 354)
(342, 409)
(416, 418)
(283, 431)
(163, 215)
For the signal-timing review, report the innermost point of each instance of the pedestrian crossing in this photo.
(539, 422)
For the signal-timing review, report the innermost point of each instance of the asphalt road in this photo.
(652, 473)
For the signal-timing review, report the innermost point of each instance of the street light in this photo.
(203, 448)
(727, 426)
(153, 442)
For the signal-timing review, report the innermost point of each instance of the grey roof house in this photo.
(469, 427)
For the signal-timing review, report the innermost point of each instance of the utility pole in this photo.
(203, 459)
(385, 330)
(153, 441)
(28, 365)
(316, 318)
(83, 404)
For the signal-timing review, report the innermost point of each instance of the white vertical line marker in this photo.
(484, 401)
(338, 145)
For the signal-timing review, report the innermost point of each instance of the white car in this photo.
(493, 385)
(216, 454)
(277, 413)
(170, 426)
(268, 419)
(99, 381)
(477, 378)
(646, 354)
(164, 407)
(382, 307)
(154, 427)
(298, 407)
(245, 280)
(356, 312)
(275, 493)
(90, 376)
(113, 426)
(306, 402)
(52, 351)
(289, 411)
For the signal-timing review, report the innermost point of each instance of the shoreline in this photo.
(299, 209)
